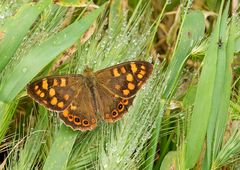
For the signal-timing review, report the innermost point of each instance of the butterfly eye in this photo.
(85, 122)
(114, 113)
(125, 101)
(120, 107)
(77, 121)
(70, 118)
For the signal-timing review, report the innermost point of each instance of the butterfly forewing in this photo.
(55, 92)
(81, 113)
(125, 79)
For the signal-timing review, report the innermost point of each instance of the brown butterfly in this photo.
(81, 99)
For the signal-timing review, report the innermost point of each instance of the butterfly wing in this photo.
(55, 92)
(125, 79)
(81, 113)
(112, 107)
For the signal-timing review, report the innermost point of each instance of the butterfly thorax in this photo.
(88, 72)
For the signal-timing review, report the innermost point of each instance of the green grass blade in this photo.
(29, 155)
(221, 94)
(115, 15)
(13, 37)
(203, 103)
(6, 113)
(189, 37)
(42, 55)
(229, 153)
(222, 114)
(170, 161)
(61, 149)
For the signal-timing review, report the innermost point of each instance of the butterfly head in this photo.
(88, 72)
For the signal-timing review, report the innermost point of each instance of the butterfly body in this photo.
(83, 99)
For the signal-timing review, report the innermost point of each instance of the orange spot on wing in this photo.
(44, 84)
(63, 82)
(38, 92)
(72, 107)
(120, 107)
(140, 83)
(85, 122)
(93, 120)
(143, 67)
(123, 70)
(142, 72)
(42, 94)
(126, 92)
(133, 67)
(115, 95)
(65, 113)
(131, 86)
(125, 101)
(140, 76)
(66, 97)
(55, 82)
(114, 113)
(77, 120)
(52, 92)
(115, 72)
(54, 101)
(129, 77)
(61, 104)
(70, 117)
(36, 87)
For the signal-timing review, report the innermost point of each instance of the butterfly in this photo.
(82, 99)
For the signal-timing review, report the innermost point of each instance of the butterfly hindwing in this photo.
(81, 113)
(112, 107)
(55, 92)
(125, 79)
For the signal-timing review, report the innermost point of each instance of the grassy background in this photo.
(185, 117)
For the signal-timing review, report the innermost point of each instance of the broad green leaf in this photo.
(170, 161)
(13, 37)
(61, 149)
(219, 116)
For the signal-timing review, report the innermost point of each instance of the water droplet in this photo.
(169, 2)
(25, 69)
